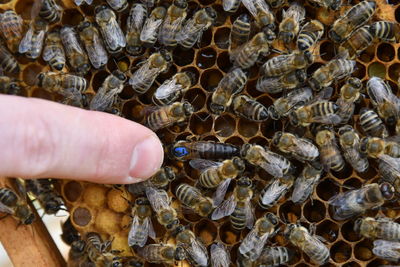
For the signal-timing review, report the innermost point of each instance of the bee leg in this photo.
(312, 229)
(3, 217)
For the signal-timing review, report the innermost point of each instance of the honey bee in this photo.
(290, 24)
(283, 105)
(142, 226)
(261, 12)
(231, 5)
(107, 93)
(330, 155)
(273, 163)
(387, 250)
(334, 70)
(161, 204)
(99, 252)
(274, 256)
(8, 63)
(173, 88)
(371, 123)
(284, 64)
(274, 191)
(320, 111)
(300, 148)
(43, 191)
(376, 147)
(305, 184)
(310, 244)
(350, 143)
(331, 4)
(162, 253)
(193, 30)
(58, 82)
(380, 228)
(149, 33)
(192, 198)
(150, 3)
(355, 202)
(240, 32)
(11, 28)
(160, 180)
(214, 173)
(142, 79)
(77, 58)
(249, 108)
(389, 168)
(94, 46)
(47, 10)
(14, 203)
(231, 84)
(113, 36)
(264, 228)
(386, 31)
(247, 55)
(349, 93)
(32, 43)
(53, 51)
(69, 233)
(276, 3)
(274, 85)
(309, 35)
(172, 24)
(77, 254)
(184, 150)
(118, 5)
(166, 116)
(135, 22)
(385, 102)
(219, 255)
(359, 40)
(355, 17)
(238, 206)
(196, 252)
(9, 85)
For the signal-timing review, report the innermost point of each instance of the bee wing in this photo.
(37, 5)
(229, 4)
(390, 161)
(219, 256)
(225, 209)
(137, 16)
(26, 43)
(248, 242)
(38, 44)
(51, 51)
(158, 199)
(72, 95)
(254, 6)
(167, 88)
(143, 73)
(150, 29)
(137, 227)
(79, 2)
(303, 146)
(70, 41)
(20, 188)
(204, 164)
(324, 94)
(274, 192)
(220, 192)
(114, 35)
(197, 252)
(378, 90)
(96, 52)
(249, 214)
(173, 28)
(328, 119)
(152, 233)
(272, 164)
(102, 100)
(389, 250)
(295, 11)
(6, 209)
(303, 187)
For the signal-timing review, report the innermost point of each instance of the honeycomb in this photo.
(106, 210)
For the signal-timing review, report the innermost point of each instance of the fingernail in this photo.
(147, 157)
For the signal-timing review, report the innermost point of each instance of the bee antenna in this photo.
(274, 50)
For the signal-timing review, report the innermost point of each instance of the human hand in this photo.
(43, 139)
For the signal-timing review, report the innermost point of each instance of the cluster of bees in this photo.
(224, 184)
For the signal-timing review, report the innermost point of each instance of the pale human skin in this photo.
(43, 139)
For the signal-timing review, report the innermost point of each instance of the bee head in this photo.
(273, 113)
(120, 75)
(294, 120)
(135, 263)
(239, 164)
(216, 108)
(364, 145)
(84, 24)
(40, 79)
(172, 225)
(354, 82)
(178, 151)
(308, 56)
(345, 129)
(166, 55)
(14, 86)
(78, 246)
(335, 4)
(272, 218)
(98, 9)
(391, 120)
(134, 50)
(244, 181)
(59, 66)
(357, 225)
(180, 254)
(289, 229)
(142, 201)
(187, 108)
(269, 34)
(314, 84)
(387, 190)
(84, 68)
(244, 150)
(117, 262)
(205, 207)
(169, 173)
(276, 138)
(275, 3)
(334, 36)
(29, 219)
(180, 3)
(52, 206)
(211, 12)
(192, 77)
